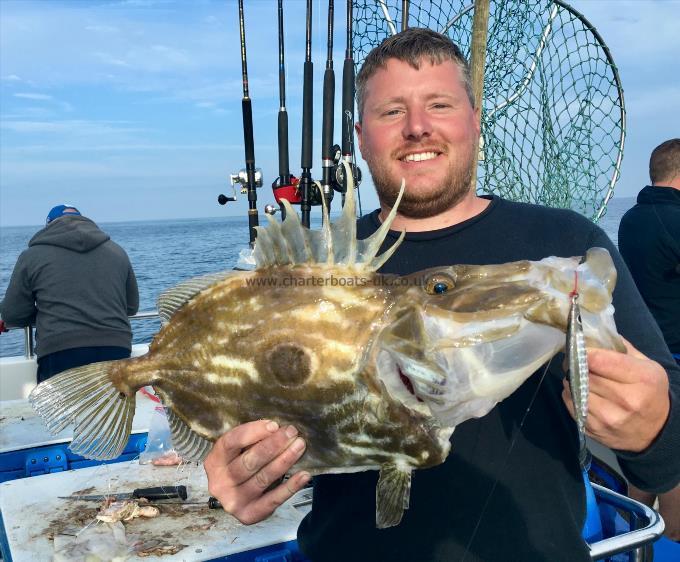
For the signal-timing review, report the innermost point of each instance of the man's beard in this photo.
(415, 204)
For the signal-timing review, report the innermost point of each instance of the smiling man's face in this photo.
(419, 125)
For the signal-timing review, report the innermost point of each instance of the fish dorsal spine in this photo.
(336, 244)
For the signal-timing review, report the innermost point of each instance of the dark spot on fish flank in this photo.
(288, 363)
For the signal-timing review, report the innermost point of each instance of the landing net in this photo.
(553, 116)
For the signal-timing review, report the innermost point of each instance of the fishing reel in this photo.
(290, 192)
(240, 179)
(338, 174)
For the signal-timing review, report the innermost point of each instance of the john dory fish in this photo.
(375, 374)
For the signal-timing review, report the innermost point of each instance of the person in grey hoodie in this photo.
(78, 287)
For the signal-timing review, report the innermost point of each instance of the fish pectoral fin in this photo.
(392, 495)
(188, 444)
(86, 397)
(171, 300)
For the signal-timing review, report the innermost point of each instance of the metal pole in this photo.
(480, 25)
(404, 14)
(28, 342)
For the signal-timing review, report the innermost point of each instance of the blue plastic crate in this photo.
(46, 459)
(281, 552)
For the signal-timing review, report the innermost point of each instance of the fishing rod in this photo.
(306, 185)
(328, 151)
(248, 140)
(348, 114)
(250, 178)
(284, 168)
(286, 185)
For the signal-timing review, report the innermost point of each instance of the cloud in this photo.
(107, 58)
(44, 97)
(37, 148)
(102, 28)
(622, 28)
(69, 127)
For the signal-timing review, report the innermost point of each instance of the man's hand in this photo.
(628, 403)
(245, 462)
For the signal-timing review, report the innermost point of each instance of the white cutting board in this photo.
(32, 512)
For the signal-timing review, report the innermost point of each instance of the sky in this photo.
(131, 109)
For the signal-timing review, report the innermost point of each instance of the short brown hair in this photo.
(412, 46)
(664, 164)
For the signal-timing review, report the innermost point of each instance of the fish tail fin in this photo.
(392, 495)
(86, 397)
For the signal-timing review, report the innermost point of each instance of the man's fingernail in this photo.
(305, 477)
(297, 445)
(291, 431)
(272, 426)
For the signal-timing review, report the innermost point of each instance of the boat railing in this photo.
(646, 526)
(29, 338)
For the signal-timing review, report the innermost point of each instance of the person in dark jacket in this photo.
(78, 287)
(512, 487)
(649, 241)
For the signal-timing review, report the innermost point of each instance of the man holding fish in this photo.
(511, 488)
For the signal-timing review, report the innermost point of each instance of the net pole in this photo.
(480, 25)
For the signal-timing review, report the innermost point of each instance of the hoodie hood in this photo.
(654, 194)
(75, 233)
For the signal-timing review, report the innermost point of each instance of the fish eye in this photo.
(440, 288)
(439, 284)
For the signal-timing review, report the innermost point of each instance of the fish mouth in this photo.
(416, 385)
(407, 383)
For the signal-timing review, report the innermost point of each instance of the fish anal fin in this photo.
(188, 444)
(392, 495)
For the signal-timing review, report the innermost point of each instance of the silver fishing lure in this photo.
(578, 373)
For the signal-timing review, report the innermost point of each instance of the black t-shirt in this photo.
(512, 488)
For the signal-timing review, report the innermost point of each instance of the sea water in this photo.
(163, 253)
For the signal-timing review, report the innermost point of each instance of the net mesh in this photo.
(553, 118)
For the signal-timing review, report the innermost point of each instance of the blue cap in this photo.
(60, 211)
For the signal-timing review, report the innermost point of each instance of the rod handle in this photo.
(247, 109)
(347, 105)
(307, 114)
(284, 164)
